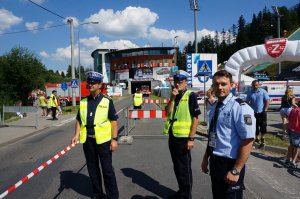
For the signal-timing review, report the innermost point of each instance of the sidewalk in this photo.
(17, 130)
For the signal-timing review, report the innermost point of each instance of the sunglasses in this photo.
(179, 82)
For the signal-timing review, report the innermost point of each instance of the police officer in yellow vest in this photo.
(96, 127)
(137, 99)
(181, 125)
(53, 104)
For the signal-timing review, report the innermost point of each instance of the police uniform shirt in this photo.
(257, 99)
(235, 123)
(91, 110)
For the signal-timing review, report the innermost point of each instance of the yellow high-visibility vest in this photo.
(53, 102)
(138, 99)
(42, 101)
(182, 120)
(102, 124)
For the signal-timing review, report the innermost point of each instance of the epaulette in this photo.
(240, 101)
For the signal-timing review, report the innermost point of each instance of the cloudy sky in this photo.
(121, 24)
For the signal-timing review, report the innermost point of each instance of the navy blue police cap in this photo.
(92, 76)
(180, 75)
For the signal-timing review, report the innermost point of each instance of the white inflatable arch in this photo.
(255, 55)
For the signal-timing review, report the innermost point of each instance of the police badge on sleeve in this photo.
(248, 119)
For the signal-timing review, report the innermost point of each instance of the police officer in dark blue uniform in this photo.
(181, 125)
(231, 136)
(96, 127)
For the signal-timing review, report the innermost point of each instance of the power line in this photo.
(47, 9)
(21, 31)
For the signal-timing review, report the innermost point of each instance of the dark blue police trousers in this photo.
(182, 160)
(93, 153)
(219, 166)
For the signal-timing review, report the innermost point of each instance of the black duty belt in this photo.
(91, 136)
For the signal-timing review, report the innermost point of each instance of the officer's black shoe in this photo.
(256, 140)
(262, 145)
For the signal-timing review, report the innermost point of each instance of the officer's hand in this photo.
(75, 140)
(174, 93)
(204, 165)
(113, 145)
(230, 178)
(190, 145)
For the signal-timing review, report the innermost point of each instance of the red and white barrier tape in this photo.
(156, 101)
(146, 114)
(36, 171)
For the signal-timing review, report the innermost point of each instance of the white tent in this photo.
(254, 55)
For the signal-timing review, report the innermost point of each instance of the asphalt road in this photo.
(144, 169)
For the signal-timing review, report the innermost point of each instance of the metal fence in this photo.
(20, 109)
(124, 124)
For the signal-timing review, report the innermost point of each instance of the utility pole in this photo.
(195, 7)
(276, 11)
(70, 21)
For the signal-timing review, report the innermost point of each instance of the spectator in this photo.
(294, 135)
(59, 110)
(43, 103)
(209, 102)
(259, 101)
(287, 103)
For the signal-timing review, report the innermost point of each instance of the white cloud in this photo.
(8, 19)
(131, 22)
(44, 54)
(87, 46)
(48, 24)
(32, 26)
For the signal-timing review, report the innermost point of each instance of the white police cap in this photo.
(92, 76)
(181, 74)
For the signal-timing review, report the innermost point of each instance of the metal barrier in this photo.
(21, 109)
(125, 126)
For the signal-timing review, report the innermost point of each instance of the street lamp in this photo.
(195, 7)
(276, 11)
(176, 49)
(70, 21)
(79, 65)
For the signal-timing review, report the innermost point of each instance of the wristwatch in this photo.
(234, 171)
(191, 138)
(116, 138)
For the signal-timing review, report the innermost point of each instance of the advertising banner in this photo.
(201, 67)
(143, 73)
(122, 74)
(161, 72)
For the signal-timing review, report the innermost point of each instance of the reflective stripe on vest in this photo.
(138, 99)
(102, 124)
(182, 125)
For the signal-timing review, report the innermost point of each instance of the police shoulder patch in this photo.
(248, 119)
(240, 101)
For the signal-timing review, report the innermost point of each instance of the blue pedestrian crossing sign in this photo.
(74, 83)
(204, 67)
(64, 86)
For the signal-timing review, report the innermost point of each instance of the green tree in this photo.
(21, 72)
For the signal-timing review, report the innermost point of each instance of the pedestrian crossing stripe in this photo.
(205, 67)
